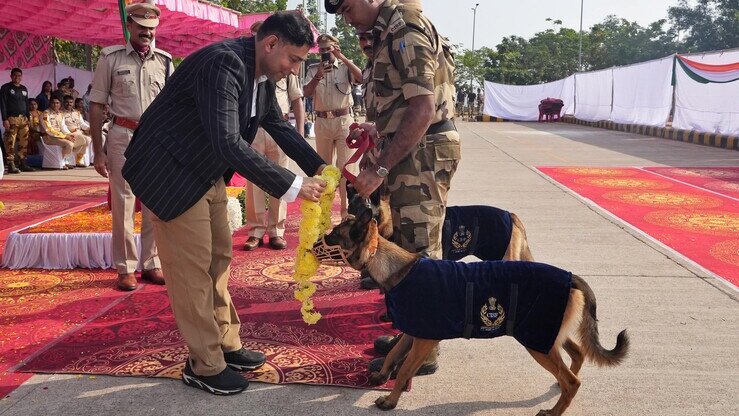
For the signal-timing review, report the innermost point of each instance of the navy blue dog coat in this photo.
(477, 230)
(444, 299)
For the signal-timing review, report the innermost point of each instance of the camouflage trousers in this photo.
(17, 132)
(418, 188)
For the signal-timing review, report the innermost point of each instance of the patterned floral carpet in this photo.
(27, 202)
(138, 336)
(694, 211)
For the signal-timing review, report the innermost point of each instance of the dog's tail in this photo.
(588, 331)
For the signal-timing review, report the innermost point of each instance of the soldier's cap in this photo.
(326, 39)
(146, 14)
(332, 6)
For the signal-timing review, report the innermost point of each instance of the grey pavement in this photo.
(683, 323)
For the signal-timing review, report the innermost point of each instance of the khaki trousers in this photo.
(66, 145)
(81, 142)
(331, 140)
(196, 256)
(122, 204)
(17, 132)
(258, 218)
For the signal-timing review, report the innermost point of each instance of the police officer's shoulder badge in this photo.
(492, 315)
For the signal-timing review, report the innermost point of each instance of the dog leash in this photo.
(363, 143)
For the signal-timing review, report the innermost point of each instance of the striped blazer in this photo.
(198, 130)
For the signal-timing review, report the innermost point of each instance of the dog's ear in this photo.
(359, 228)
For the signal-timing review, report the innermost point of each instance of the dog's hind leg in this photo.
(518, 246)
(419, 352)
(574, 351)
(568, 381)
(394, 357)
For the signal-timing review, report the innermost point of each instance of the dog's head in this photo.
(351, 243)
(379, 202)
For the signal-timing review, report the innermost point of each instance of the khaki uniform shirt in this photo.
(54, 125)
(334, 91)
(288, 90)
(128, 83)
(74, 121)
(414, 64)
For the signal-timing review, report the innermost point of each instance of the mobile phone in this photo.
(326, 61)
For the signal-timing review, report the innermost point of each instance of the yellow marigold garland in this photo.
(316, 220)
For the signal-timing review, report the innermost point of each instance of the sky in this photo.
(499, 18)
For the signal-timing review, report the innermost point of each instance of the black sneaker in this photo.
(225, 383)
(244, 359)
(428, 367)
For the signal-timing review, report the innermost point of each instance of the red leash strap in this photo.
(363, 143)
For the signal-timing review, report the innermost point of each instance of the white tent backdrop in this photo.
(712, 108)
(568, 95)
(594, 94)
(521, 102)
(642, 93)
(33, 78)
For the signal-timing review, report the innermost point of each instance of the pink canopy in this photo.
(185, 26)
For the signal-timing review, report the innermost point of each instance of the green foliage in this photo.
(253, 6)
(709, 25)
(73, 53)
(348, 42)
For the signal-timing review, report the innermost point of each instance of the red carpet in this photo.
(723, 181)
(38, 306)
(139, 337)
(698, 222)
(27, 202)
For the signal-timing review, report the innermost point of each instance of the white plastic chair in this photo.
(52, 157)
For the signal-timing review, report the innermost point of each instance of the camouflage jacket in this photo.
(411, 60)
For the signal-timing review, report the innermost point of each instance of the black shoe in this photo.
(12, 168)
(225, 383)
(385, 318)
(425, 369)
(25, 168)
(385, 343)
(244, 359)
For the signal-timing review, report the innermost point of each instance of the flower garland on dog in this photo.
(316, 220)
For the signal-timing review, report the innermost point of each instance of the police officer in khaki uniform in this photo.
(271, 221)
(77, 126)
(413, 79)
(129, 77)
(330, 83)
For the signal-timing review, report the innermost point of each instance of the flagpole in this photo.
(122, 10)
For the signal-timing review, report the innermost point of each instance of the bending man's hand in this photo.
(312, 189)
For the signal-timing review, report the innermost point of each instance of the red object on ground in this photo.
(550, 109)
(700, 225)
(335, 351)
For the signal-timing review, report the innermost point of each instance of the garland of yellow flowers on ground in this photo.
(316, 220)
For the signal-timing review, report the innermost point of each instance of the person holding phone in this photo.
(330, 83)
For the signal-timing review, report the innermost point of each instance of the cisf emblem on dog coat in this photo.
(492, 315)
(461, 239)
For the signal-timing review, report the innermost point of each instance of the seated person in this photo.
(76, 125)
(56, 133)
(79, 105)
(34, 126)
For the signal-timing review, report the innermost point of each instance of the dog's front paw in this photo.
(377, 378)
(385, 403)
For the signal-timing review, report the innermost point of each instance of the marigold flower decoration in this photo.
(316, 220)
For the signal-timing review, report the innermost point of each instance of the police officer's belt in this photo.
(125, 122)
(333, 113)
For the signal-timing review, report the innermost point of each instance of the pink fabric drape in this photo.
(186, 25)
(23, 50)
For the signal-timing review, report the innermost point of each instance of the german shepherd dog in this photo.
(356, 242)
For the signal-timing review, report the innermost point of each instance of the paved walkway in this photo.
(684, 325)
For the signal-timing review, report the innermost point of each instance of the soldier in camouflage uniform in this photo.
(413, 80)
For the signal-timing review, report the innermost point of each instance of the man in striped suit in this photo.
(193, 137)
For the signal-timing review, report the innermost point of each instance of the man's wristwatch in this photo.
(381, 171)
